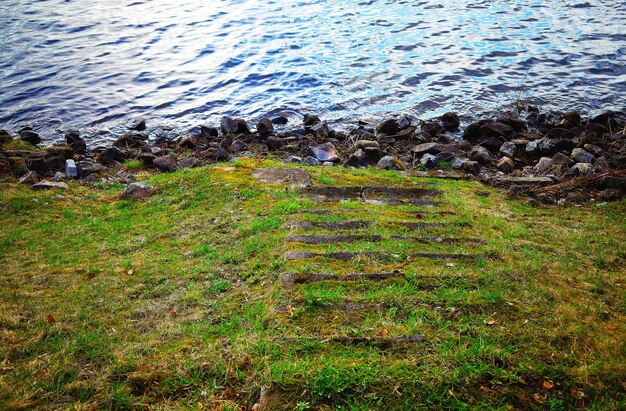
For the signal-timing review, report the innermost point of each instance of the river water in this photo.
(92, 64)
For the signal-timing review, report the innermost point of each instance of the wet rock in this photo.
(274, 143)
(582, 156)
(127, 141)
(136, 123)
(356, 159)
(492, 144)
(433, 129)
(29, 178)
(165, 164)
(363, 144)
(324, 152)
(280, 120)
(233, 126)
(311, 161)
(518, 125)
(472, 132)
(508, 149)
(87, 167)
(71, 170)
(208, 132)
(138, 191)
(74, 140)
(603, 118)
(544, 164)
(321, 130)
(480, 154)
(30, 136)
(506, 165)
(497, 130)
(110, 156)
(392, 126)
(5, 137)
(581, 169)
(48, 185)
(37, 164)
(237, 146)
(390, 163)
(189, 162)
(188, 142)
(430, 148)
(265, 127)
(570, 119)
(472, 167)
(310, 119)
(561, 133)
(428, 160)
(450, 121)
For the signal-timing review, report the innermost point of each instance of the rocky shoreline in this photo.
(553, 158)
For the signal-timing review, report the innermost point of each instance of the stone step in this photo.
(377, 341)
(289, 280)
(347, 256)
(335, 239)
(356, 224)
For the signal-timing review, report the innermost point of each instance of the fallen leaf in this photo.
(130, 272)
(539, 398)
(14, 292)
(291, 310)
(51, 319)
(578, 394)
(548, 385)
(384, 333)
(490, 322)
(486, 389)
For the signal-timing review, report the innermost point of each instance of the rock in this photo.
(596, 129)
(392, 126)
(603, 118)
(37, 164)
(543, 146)
(29, 178)
(560, 133)
(570, 119)
(515, 123)
(480, 154)
(527, 181)
(233, 126)
(237, 146)
(311, 161)
(55, 163)
(582, 156)
(497, 130)
(562, 159)
(428, 160)
(138, 191)
(544, 164)
(18, 165)
(5, 137)
(280, 120)
(432, 128)
(450, 121)
(70, 168)
(294, 177)
(146, 158)
(444, 157)
(356, 159)
(47, 185)
(374, 154)
(324, 152)
(328, 164)
(74, 140)
(601, 165)
(274, 143)
(189, 162)
(492, 144)
(472, 132)
(611, 182)
(86, 168)
(457, 162)
(127, 141)
(581, 169)
(363, 144)
(265, 127)
(310, 119)
(110, 156)
(165, 164)
(30, 136)
(294, 159)
(58, 176)
(390, 163)
(506, 165)
(188, 142)
(136, 123)
(221, 155)
(472, 167)
(430, 148)
(508, 149)
(321, 130)
(595, 150)
(208, 132)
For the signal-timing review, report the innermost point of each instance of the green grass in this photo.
(133, 164)
(18, 144)
(175, 302)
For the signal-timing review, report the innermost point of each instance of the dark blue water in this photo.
(92, 64)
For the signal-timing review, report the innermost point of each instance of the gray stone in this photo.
(70, 168)
(189, 162)
(582, 156)
(601, 165)
(296, 177)
(138, 191)
(231, 126)
(324, 152)
(328, 164)
(363, 144)
(508, 149)
(428, 160)
(29, 178)
(390, 163)
(523, 181)
(88, 167)
(562, 159)
(581, 169)
(274, 143)
(237, 146)
(310, 119)
(444, 156)
(472, 167)
(165, 163)
(457, 162)
(506, 165)
(137, 123)
(294, 159)
(47, 185)
(544, 164)
(311, 161)
(480, 154)
(58, 176)
(430, 148)
(321, 130)
(595, 150)
(265, 127)
(356, 159)
(74, 140)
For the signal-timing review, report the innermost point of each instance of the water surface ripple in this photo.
(94, 63)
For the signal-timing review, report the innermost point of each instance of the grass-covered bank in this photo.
(176, 303)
